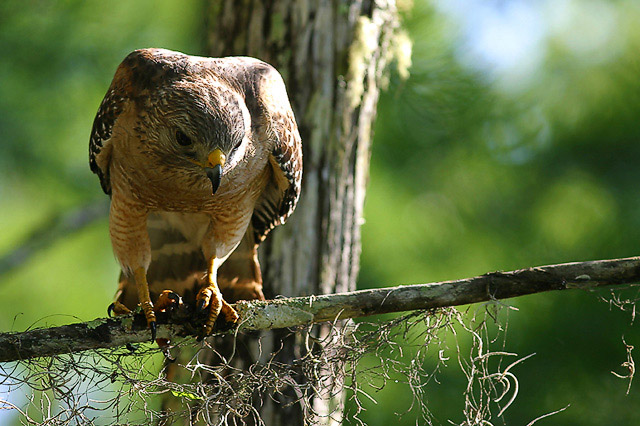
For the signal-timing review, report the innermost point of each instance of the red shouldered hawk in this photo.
(201, 158)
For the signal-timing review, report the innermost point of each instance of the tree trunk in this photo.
(332, 56)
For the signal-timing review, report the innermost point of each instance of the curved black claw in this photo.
(176, 301)
(110, 309)
(201, 305)
(152, 326)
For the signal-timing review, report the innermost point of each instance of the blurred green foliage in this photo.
(484, 162)
(481, 162)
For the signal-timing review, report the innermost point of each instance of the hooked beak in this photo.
(215, 161)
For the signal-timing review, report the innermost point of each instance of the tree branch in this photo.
(296, 311)
(47, 233)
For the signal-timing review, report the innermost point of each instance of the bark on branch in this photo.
(297, 311)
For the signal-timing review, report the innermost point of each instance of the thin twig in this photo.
(548, 415)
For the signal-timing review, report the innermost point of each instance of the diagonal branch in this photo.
(48, 232)
(297, 311)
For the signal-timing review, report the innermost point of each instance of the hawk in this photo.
(201, 158)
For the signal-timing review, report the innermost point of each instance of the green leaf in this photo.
(188, 395)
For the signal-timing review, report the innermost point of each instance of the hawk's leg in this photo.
(142, 288)
(140, 278)
(212, 297)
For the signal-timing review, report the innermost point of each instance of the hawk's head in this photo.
(191, 125)
(197, 123)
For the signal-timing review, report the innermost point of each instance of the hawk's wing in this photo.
(274, 207)
(139, 72)
(266, 98)
(100, 140)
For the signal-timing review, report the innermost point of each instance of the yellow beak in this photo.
(215, 158)
(215, 161)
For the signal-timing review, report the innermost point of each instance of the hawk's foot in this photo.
(210, 296)
(117, 308)
(167, 301)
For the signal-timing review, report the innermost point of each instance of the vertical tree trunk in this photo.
(333, 56)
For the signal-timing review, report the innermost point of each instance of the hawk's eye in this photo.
(183, 139)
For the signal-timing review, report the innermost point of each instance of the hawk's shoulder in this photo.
(140, 73)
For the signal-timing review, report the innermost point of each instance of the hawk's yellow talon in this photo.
(210, 296)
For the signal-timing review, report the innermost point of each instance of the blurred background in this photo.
(514, 142)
